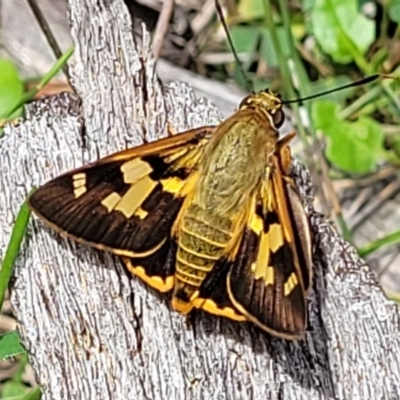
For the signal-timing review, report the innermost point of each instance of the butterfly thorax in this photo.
(230, 173)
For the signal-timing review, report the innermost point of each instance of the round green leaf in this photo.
(355, 147)
(341, 30)
(13, 390)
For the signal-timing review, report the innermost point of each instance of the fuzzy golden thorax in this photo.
(235, 161)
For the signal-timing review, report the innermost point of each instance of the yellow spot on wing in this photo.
(172, 185)
(269, 276)
(111, 201)
(260, 266)
(183, 307)
(211, 307)
(135, 196)
(135, 170)
(181, 301)
(142, 214)
(129, 204)
(275, 235)
(79, 184)
(78, 192)
(290, 284)
(79, 176)
(157, 282)
(256, 224)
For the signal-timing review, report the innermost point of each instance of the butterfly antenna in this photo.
(360, 82)
(249, 86)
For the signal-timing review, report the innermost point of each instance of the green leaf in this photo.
(34, 394)
(10, 345)
(355, 147)
(249, 10)
(323, 85)
(267, 50)
(14, 390)
(394, 10)
(259, 84)
(341, 30)
(307, 5)
(11, 89)
(245, 38)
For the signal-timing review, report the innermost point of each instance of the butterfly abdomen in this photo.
(212, 218)
(201, 243)
(202, 240)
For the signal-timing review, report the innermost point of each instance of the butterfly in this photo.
(210, 215)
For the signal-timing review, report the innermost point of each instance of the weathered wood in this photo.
(92, 332)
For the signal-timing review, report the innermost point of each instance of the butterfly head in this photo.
(268, 104)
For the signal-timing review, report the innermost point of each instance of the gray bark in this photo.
(93, 332)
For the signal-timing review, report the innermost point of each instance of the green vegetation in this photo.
(304, 48)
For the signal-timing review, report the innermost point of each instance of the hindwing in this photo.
(265, 278)
(270, 275)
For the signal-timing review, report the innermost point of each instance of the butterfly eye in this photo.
(278, 118)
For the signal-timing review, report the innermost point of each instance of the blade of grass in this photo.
(292, 69)
(393, 296)
(392, 238)
(12, 251)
